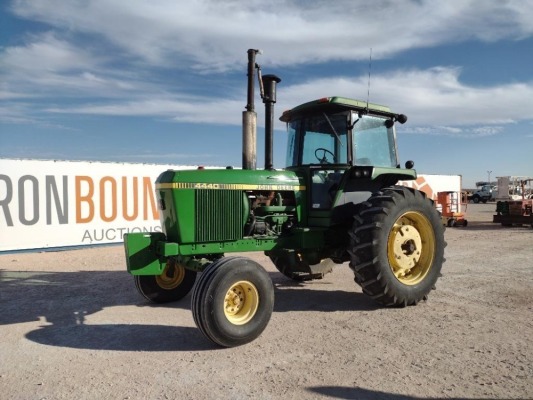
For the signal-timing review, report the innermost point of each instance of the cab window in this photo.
(318, 139)
(374, 143)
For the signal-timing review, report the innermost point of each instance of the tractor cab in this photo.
(334, 140)
(340, 131)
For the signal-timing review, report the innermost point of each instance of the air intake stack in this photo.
(269, 98)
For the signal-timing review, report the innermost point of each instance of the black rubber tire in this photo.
(369, 242)
(475, 199)
(153, 288)
(209, 300)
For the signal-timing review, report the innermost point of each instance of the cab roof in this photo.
(335, 104)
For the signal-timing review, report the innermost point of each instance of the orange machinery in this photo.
(451, 211)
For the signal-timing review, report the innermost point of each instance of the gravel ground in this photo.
(72, 326)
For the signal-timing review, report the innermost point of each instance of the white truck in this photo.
(485, 193)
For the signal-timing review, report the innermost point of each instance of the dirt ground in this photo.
(72, 326)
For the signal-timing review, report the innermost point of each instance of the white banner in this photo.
(433, 184)
(48, 204)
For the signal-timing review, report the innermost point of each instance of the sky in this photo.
(164, 81)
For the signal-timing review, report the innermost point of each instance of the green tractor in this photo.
(337, 201)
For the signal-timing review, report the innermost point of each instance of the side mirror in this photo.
(401, 118)
(409, 164)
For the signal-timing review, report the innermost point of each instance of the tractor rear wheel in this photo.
(397, 246)
(173, 284)
(233, 301)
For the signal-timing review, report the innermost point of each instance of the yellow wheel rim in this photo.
(241, 302)
(411, 247)
(171, 277)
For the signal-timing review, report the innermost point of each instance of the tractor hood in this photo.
(230, 179)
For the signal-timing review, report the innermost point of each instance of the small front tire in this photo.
(233, 301)
(173, 284)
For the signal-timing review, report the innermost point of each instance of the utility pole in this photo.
(489, 172)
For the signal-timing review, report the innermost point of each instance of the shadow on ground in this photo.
(62, 301)
(349, 393)
(491, 226)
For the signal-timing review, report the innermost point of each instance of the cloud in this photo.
(455, 132)
(433, 98)
(210, 34)
(47, 64)
(179, 109)
(46, 52)
(99, 57)
(19, 113)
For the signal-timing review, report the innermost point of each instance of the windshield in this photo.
(374, 143)
(322, 138)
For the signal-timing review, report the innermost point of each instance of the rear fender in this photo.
(358, 184)
(372, 179)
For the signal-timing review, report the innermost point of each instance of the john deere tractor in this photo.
(337, 201)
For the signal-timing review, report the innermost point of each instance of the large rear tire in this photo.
(233, 301)
(173, 284)
(397, 246)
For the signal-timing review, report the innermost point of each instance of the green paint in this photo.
(206, 213)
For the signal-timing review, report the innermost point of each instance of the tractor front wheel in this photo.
(173, 284)
(397, 246)
(233, 301)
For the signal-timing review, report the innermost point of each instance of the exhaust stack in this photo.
(269, 98)
(249, 118)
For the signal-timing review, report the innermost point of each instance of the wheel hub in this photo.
(172, 276)
(407, 247)
(241, 302)
(410, 244)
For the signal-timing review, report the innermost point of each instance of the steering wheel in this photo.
(323, 159)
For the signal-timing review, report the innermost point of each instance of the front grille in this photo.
(219, 215)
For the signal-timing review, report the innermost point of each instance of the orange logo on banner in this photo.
(423, 186)
(105, 201)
